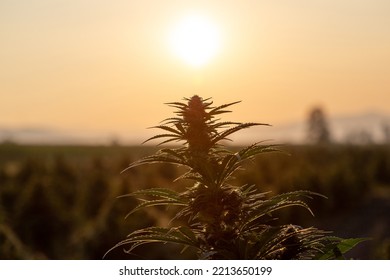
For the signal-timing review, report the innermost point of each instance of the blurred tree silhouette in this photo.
(360, 137)
(318, 130)
(386, 132)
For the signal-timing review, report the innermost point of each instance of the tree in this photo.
(386, 132)
(318, 130)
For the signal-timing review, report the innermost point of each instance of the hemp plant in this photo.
(218, 219)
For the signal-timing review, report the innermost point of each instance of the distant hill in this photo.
(41, 135)
(359, 128)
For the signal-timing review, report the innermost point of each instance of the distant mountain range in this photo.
(360, 128)
(41, 135)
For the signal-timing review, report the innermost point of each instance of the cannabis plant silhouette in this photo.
(218, 219)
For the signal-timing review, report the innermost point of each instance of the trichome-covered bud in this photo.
(196, 119)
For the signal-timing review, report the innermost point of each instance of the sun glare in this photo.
(195, 39)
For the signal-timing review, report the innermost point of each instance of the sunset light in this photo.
(229, 131)
(64, 60)
(195, 39)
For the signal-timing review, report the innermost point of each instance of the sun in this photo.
(195, 39)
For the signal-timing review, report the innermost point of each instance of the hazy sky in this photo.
(107, 65)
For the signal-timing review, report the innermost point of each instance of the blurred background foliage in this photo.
(60, 202)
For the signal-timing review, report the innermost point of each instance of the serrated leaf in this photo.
(260, 208)
(188, 233)
(339, 246)
(160, 192)
(217, 109)
(168, 128)
(153, 235)
(178, 105)
(227, 132)
(180, 127)
(173, 136)
(156, 202)
(157, 158)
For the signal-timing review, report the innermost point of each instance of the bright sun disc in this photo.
(196, 40)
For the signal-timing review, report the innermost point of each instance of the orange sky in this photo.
(106, 66)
